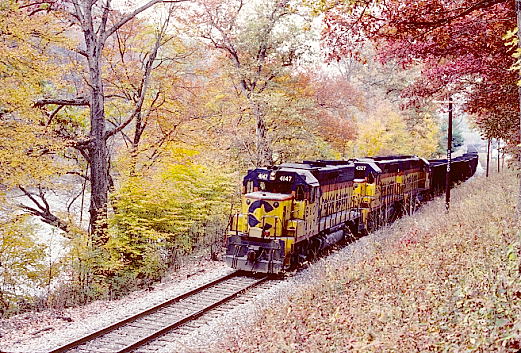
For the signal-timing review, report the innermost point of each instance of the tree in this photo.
(385, 132)
(337, 101)
(459, 43)
(22, 260)
(457, 138)
(261, 43)
(157, 212)
(26, 147)
(31, 151)
(98, 22)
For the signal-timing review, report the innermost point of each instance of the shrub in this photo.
(23, 268)
(169, 213)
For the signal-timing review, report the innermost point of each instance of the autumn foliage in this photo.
(128, 134)
(459, 44)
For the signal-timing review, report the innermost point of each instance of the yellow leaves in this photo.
(510, 37)
(386, 132)
(168, 201)
(383, 133)
(160, 209)
(27, 71)
(25, 65)
(22, 259)
(321, 6)
(27, 155)
(511, 40)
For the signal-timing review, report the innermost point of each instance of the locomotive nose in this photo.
(259, 219)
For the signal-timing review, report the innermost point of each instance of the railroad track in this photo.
(130, 334)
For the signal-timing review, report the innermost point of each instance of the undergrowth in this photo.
(439, 282)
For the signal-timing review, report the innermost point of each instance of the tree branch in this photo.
(133, 14)
(86, 177)
(43, 210)
(104, 17)
(463, 12)
(53, 114)
(78, 101)
(144, 82)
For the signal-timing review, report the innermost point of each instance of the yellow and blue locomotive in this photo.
(389, 186)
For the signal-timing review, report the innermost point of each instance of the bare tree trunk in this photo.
(264, 152)
(97, 148)
(98, 153)
(498, 159)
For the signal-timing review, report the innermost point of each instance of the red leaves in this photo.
(459, 43)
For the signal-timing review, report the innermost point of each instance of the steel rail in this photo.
(139, 315)
(189, 317)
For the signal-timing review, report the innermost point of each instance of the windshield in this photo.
(275, 187)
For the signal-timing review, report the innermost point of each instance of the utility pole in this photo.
(449, 149)
(498, 143)
(488, 155)
(518, 16)
(449, 156)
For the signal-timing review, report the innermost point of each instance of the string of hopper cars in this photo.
(291, 212)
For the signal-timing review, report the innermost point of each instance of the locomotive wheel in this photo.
(349, 237)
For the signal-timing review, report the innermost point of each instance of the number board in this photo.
(263, 176)
(286, 178)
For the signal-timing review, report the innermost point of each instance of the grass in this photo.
(439, 282)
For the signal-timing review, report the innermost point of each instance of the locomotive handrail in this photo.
(234, 219)
(277, 218)
(237, 215)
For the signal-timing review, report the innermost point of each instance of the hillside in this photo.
(437, 282)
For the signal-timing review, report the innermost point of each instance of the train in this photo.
(292, 212)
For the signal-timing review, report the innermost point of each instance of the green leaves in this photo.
(155, 214)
